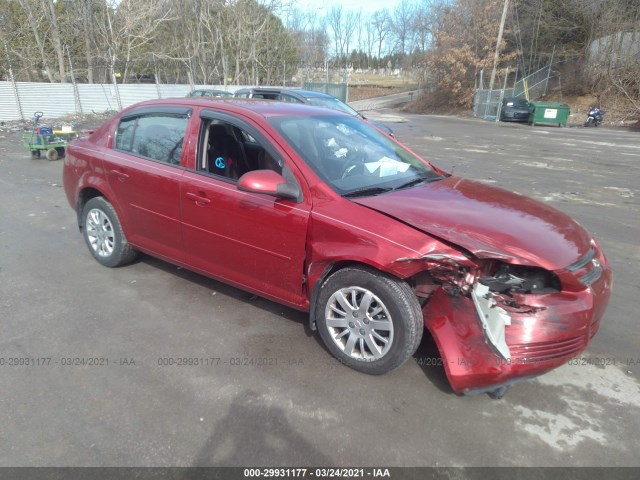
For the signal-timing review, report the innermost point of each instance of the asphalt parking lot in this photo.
(268, 392)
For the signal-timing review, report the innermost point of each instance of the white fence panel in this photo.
(59, 99)
(97, 98)
(8, 106)
(134, 93)
(174, 91)
(53, 99)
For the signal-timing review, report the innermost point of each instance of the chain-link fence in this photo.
(536, 84)
(488, 103)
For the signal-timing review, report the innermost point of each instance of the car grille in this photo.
(587, 268)
(548, 350)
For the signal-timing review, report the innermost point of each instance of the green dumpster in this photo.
(548, 113)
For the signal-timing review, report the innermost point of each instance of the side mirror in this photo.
(269, 182)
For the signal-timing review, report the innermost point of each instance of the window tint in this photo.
(158, 137)
(290, 99)
(124, 135)
(332, 103)
(230, 152)
(267, 96)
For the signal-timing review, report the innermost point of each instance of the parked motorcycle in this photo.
(594, 117)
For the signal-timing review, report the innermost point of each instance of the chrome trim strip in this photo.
(592, 276)
(583, 261)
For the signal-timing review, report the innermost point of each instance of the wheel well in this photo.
(85, 195)
(328, 271)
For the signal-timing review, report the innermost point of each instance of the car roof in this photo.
(247, 106)
(208, 90)
(295, 91)
(310, 93)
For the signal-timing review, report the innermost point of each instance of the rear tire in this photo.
(52, 155)
(103, 234)
(369, 320)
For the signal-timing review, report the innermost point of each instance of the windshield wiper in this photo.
(418, 181)
(369, 191)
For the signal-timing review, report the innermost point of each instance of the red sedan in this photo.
(320, 211)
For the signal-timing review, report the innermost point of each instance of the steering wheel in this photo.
(354, 164)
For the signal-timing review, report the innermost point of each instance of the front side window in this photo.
(229, 151)
(157, 136)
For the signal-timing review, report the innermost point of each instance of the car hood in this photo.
(489, 222)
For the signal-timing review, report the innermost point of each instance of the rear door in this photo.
(144, 171)
(254, 241)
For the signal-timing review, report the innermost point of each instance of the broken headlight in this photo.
(521, 279)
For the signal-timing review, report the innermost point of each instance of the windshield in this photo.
(351, 156)
(333, 103)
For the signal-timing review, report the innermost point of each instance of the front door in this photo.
(254, 241)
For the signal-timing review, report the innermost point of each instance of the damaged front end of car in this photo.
(496, 322)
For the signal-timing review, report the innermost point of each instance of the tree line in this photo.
(444, 42)
(203, 41)
(593, 46)
(174, 41)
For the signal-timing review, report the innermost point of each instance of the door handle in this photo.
(198, 199)
(121, 175)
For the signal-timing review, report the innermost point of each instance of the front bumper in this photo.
(559, 329)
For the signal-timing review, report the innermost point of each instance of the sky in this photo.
(367, 6)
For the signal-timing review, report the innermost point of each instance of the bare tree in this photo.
(369, 40)
(85, 11)
(125, 28)
(381, 23)
(52, 20)
(35, 18)
(403, 19)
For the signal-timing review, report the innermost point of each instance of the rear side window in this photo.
(290, 99)
(267, 96)
(157, 136)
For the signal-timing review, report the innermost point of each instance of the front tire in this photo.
(368, 320)
(103, 234)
